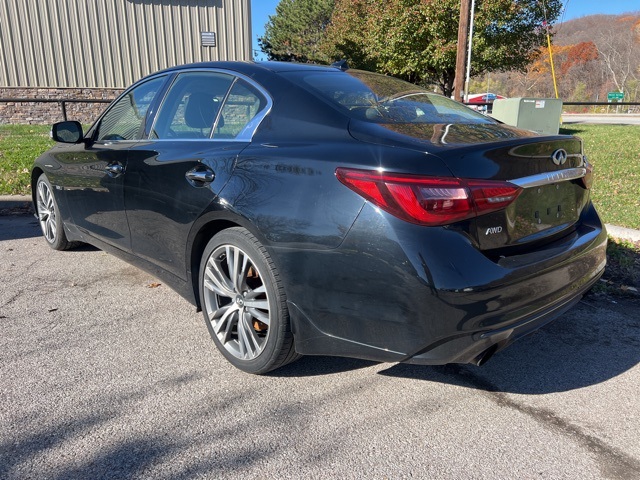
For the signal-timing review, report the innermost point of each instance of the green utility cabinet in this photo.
(541, 115)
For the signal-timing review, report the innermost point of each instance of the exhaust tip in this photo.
(485, 356)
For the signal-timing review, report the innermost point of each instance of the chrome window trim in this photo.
(247, 133)
(119, 142)
(550, 177)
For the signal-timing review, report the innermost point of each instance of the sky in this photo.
(261, 9)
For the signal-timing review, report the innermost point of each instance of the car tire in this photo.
(49, 216)
(244, 303)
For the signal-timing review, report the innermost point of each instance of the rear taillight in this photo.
(587, 180)
(429, 200)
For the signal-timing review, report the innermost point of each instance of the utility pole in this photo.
(470, 39)
(461, 57)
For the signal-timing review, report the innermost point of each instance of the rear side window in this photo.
(124, 119)
(191, 108)
(382, 99)
(240, 108)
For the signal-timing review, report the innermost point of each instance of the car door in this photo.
(96, 168)
(205, 120)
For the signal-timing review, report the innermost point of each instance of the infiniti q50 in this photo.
(312, 210)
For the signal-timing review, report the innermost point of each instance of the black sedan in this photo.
(311, 210)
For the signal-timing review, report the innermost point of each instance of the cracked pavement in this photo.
(104, 377)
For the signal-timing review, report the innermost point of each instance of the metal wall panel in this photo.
(112, 43)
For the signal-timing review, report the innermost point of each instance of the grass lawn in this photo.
(614, 150)
(19, 147)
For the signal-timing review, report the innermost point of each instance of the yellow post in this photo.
(553, 71)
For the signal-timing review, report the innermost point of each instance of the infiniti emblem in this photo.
(559, 156)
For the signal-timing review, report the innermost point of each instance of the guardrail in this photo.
(61, 102)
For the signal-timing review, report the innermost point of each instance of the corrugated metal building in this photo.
(112, 43)
(92, 49)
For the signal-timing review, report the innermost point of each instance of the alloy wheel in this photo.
(46, 212)
(236, 302)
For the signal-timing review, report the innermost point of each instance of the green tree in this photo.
(417, 39)
(293, 34)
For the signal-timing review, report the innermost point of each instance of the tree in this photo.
(573, 67)
(294, 32)
(417, 39)
(619, 48)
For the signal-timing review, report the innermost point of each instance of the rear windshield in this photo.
(381, 99)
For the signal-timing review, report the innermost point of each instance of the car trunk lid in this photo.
(551, 170)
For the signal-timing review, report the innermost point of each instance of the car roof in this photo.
(253, 67)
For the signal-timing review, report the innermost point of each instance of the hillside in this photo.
(585, 29)
(592, 55)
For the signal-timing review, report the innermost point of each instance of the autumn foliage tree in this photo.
(417, 39)
(573, 65)
(578, 55)
(293, 34)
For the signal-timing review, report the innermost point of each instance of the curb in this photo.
(15, 205)
(15, 198)
(623, 233)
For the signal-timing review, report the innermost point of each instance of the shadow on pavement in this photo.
(22, 226)
(595, 342)
(310, 366)
(16, 227)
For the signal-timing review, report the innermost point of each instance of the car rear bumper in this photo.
(478, 347)
(428, 296)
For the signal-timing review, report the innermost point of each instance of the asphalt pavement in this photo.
(106, 374)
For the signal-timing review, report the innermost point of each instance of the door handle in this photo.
(200, 176)
(114, 169)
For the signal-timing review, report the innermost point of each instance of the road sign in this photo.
(619, 96)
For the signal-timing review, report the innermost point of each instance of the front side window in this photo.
(124, 119)
(191, 108)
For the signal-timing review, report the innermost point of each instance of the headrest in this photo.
(201, 110)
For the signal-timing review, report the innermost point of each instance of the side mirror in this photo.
(66, 132)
